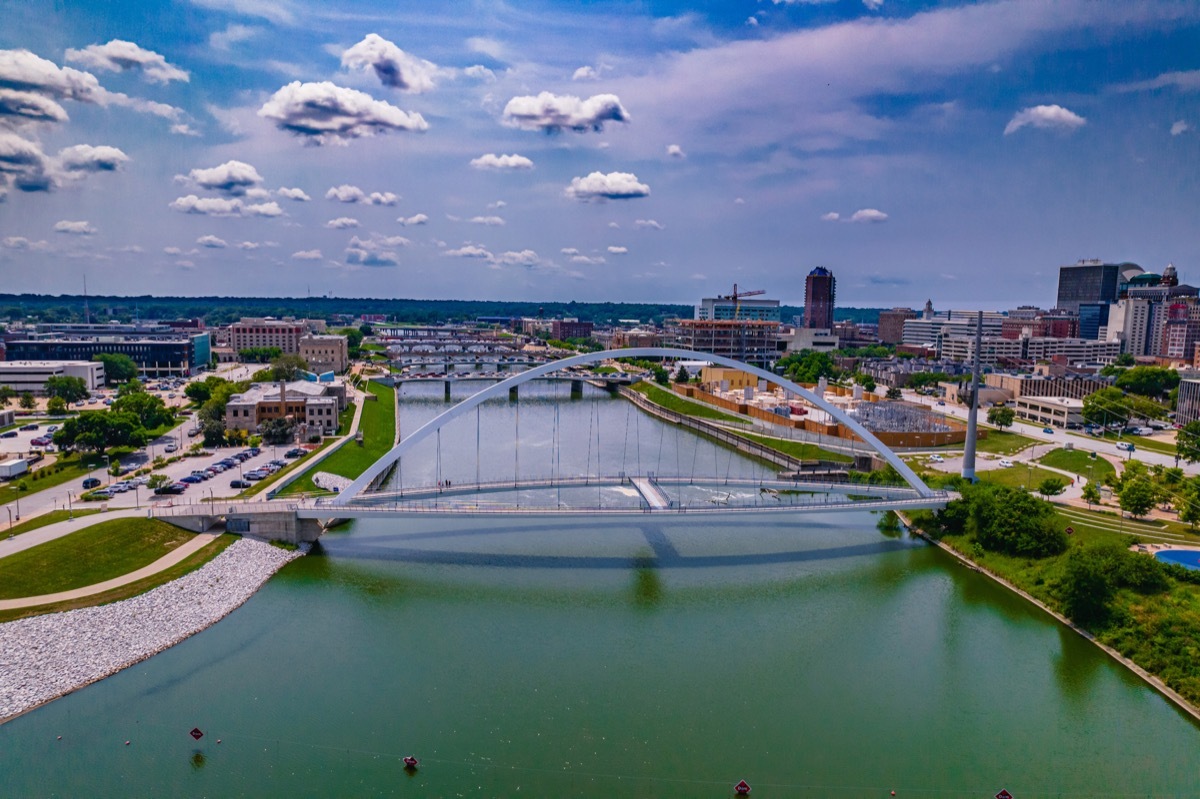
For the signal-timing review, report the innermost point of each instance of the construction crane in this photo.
(736, 296)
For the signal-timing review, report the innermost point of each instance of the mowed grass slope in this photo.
(673, 402)
(378, 426)
(1078, 462)
(91, 555)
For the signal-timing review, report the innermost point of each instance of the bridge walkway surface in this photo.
(650, 492)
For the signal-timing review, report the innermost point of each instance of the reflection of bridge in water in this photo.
(621, 494)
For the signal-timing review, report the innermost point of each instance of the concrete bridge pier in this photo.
(576, 389)
(512, 394)
(447, 385)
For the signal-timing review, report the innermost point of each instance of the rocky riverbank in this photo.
(45, 657)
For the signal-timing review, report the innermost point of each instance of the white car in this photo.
(936, 459)
(1005, 463)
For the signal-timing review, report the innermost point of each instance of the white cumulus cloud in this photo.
(415, 219)
(585, 73)
(307, 255)
(1045, 117)
(493, 161)
(616, 250)
(82, 228)
(675, 151)
(611, 186)
(234, 178)
(832, 216)
(470, 251)
(324, 113)
(86, 158)
(518, 258)
(552, 112)
(480, 72)
(649, 224)
(223, 206)
(22, 243)
(298, 195)
(353, 194)
(212, 242)
(490, 221)
(395, 68)
(119, 56)
(341, 223)
(1180, 127)
(868, 215)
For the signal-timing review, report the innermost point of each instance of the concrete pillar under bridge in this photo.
(447, 384)
(513, 394)
(576, 389)
(275, 525)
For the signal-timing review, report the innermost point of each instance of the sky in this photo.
(595, 150)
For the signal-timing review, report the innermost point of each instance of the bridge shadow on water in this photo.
(663, 553)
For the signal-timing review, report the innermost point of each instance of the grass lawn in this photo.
(1018, 476)
(1078, 462)
(66, 470)
(47, 518)
(345, 418)
(800, 449)
(187, 565)
(998, 442)
(378, 426)
(91, 555)
(673, 402)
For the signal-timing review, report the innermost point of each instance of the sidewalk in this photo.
(57, 530)
(176, 555)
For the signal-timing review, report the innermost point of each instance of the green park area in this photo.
(1021, 475)
(673, 402)
(92, 555)
(1079, 462)
(799, 449)
(189, 564)
(1146, 610)
(378, 426)
(50, 517)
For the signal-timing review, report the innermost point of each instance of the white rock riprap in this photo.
(331, 482)
(44, 657)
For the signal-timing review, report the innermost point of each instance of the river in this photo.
(813, 657)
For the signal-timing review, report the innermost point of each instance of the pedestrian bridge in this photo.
(620, 494)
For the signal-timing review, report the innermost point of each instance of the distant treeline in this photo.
(223, 310)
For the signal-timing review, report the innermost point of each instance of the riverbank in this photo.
(1152, 680)
(45, 657)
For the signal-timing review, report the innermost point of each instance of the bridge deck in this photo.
(650, 492)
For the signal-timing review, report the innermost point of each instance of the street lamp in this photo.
(70, 507)
(108, 469)
(137, 500)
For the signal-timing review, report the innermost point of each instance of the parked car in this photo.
(239, 484)
(1048, 431)
(8, 434)
(936, 459)
(172, 448)
(30, 426)
(91, 482)
(1125, 446)
(41, 441)
(191, 478)
(295, 453)
(54, 427)
(1005, 463)
(171, 488)
(254, 475)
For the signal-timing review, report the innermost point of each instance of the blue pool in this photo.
(1189, 558)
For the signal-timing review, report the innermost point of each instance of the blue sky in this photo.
(643, 151)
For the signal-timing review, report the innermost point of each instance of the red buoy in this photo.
(410, 762)
(742, 788)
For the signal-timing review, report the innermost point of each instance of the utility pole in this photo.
(968, 465)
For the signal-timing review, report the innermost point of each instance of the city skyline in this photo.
(651, 152)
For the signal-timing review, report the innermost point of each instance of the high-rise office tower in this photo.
(1092, 281)
(819, 290)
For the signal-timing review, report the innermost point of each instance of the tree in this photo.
(682, 375)
(158, 481)
(99, 430)
(1001, 416)
(6, 394)
(894, 393)
(661, 375)
(288, 367)
(866, 381)
(1014, 522)
(133, 386)
(57, 406)
(69, 389)
(1125, 359)
(1188, 502)
(118, 368)
(1148, 381)
(1052, 487)
(27, 401)
(258, 354)
(1187, 442)
(1136, 497)
(277, 431)
(149, 410)
(1086, 587)
(1091, 494)
(198, 392)
(808, 366)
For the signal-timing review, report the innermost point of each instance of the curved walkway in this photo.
(173, 557)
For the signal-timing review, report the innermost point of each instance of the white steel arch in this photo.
(501, 389)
